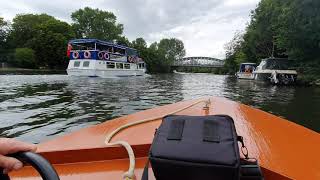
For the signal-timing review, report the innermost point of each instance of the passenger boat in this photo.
(96, 58)
(276, 71)
(246, 71)
(284, 149)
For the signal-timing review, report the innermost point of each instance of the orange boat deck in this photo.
(285, 150)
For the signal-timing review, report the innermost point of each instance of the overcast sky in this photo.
(203, 26)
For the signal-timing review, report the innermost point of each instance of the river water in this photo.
(36, 108)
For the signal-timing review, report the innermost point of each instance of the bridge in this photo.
(199, 62)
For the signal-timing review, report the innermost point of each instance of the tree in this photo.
(44, 34)
(283, 28)
(24, 58)
(234, 53)
(4, 29)
(172, 48)
(122, 40)
(95, 23)
(159, 56)
(299, 32)
(139, 44)
(25, 28)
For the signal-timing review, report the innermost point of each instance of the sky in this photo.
(204, 26)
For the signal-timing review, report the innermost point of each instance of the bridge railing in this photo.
(199, 62)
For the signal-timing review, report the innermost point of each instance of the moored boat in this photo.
(285, 150)
(96, 58)
(276, 71)
(246, 71)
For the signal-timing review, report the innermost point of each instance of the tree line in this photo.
(283, 29)
(40, 40)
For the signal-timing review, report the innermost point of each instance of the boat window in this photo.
(83, 46)
(76, 64)
(248, 68)
(110, 65)
(101, 47)
(277, 64)
(119, 66)
(86, 64)
(127, 66)
(131, 52)
(141, 65)
(119, 51)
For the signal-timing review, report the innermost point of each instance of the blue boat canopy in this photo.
(99, 42)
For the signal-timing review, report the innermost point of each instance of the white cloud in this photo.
(204, 26)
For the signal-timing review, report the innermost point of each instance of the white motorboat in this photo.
(276, 70)
(246, 71)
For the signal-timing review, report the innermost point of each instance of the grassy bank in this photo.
(5, 71)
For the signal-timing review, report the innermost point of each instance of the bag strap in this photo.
(249, 167)
(210, 131)
(176, 129)
(244, 149)
(145, 174)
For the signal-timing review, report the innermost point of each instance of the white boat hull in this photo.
(262, 76)
(248, 76)
(104, 73)
(99, 68)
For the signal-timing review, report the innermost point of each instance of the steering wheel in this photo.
(44, 168)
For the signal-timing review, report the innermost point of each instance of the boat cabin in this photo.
(275, 64)
(246, 71)
(93, 57)
(247, 67)
(95, 49)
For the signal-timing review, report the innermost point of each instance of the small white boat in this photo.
(275, 70)
(246, 71)
(176, 72)
(96, 58)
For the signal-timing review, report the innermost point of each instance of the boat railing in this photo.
(92, 54)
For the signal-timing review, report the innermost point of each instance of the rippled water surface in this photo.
(35, 108)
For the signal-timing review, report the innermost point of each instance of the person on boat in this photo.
(10, 146)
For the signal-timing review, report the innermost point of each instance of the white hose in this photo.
(130, 173)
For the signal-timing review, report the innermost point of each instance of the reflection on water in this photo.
(36, 108)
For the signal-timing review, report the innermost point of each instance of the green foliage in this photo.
(25, 27)
(159, 56)
(139, 44)
(4, 29)
(44, 34)
(24, 58)
(95, 23)
(122, 40)
(284, 29)
(172, 48)
(234, 54)
(200, 70)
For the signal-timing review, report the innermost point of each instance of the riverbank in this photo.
(308, 80)
(5, 71)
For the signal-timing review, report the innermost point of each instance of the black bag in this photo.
(195, 148)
